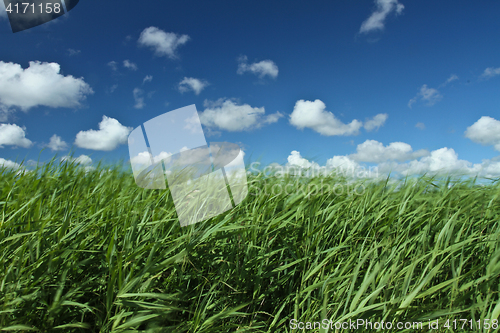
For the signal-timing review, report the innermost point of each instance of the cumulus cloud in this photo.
(420, 126)
(227, 115)
(490, 72)
(485, 131)
(377, 19)
(82, 159)
(193, 124)
(113, 65)
(148, 78)
(261, 68)
(342, 163)
(5, 113)
(443, 161)
(337, 164)
(313, 115)
(272, 118)
(6, 163)
(144, 158)
(163, 43)
(440, 161)
(110, 134)
(139, 99)
(130, 65)
(375, 152)
(490, 169)
(73, 52)
(295, 159)
(13, 135)
(429, 95)
(56, 143)
(375, 122)
(452, 78)
(39, 85)
(190, 83)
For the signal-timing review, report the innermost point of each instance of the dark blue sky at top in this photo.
(320, 55)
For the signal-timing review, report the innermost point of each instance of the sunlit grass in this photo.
(88, 251)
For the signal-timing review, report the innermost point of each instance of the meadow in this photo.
(88, 251)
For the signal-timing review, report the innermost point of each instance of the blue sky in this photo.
(406, 86)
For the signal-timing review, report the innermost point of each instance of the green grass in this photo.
(91, 252)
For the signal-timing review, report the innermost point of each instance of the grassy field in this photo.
(89, 251)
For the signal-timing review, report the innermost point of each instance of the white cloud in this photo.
(336, 164)
(313, 115)
(443, 161)
(262, 68)
(440, 161)
(429, 95)
(485, 131)
(56, 143)
(6, 163)
(420, 126)
(377, 18)
(375, 122)
(82, 159)
(233, 166)
(5, 113)
(193, 124)
(13, 135)
(163, 43)
(113, 65)
(144, 158)
(189, 156)
(375, 152)
(110, 134)
(452, 78)
(342, 163)
(412, 101)
(225, 114)
(39, 85)
(148, 78)
(161, 156)
(139, 99)
(296, 160)
(490, 169)
(272, 118)
(73, 52)
(130, 65)
(490, 72)
(190, 83)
